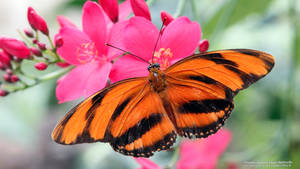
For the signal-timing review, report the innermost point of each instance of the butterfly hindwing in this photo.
(143, 127)
(201, 87)
(199, 108)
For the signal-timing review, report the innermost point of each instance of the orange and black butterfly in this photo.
(191, 98)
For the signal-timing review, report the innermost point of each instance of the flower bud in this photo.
(14, 78)
(59, 41)
(41, 66)
(5, 60)
(9, 71)
(166, 18)
(28, 33)
(140, 8)
(3, 93)
(35, 41)
(62, 64)
(111, 8)
(42, 46)
(14, 47)
(203, 45)
(6, 77)
(2, 66)
(36, 51)
(36, 21)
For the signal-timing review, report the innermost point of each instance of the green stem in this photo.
(38, 80)
(179, 9)
(25, 38)
(53, 51)
(126, 53)
(37, 35)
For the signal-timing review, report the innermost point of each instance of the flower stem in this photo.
(25, 38)
(179, 9)
(58, 59)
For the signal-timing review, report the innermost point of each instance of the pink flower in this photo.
(146, 163)
(167, 17)
(36, 21)
(87, 51)
(5, 60)
(179, 40)
(203, 45)
(140, 8)
(111, 8)
(203, 153)
(14, 47)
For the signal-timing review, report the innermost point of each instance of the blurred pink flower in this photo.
(178, 40)
(140, 8)
(36, 21)
(14, 47)
(146, 163)
(87, 51)
(203, 45)
(203, 153)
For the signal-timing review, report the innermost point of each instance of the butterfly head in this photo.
(153, 66)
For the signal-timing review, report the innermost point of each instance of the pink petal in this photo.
(140, 8)
(203, 45)
(64, 22)
(124, 10)
(203, 153)
(72, 40)
(146, 163)
(111, 8)
(14, 47)
(167, 17)
(93, 23)
(72, 86)
(182, 37)
(114, 39)
(36, 21)
(97, 79)
(127, 67)
(140, 36)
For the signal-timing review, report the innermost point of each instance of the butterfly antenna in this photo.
(162, 25)
(127, 52)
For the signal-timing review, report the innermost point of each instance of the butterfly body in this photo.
(191, 98)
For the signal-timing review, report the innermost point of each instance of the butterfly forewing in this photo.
(89, 120)
(236, 69)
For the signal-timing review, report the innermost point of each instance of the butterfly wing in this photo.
(201, 87)
(127, 114)
(89, 120)
(144, 127)
(236, 69)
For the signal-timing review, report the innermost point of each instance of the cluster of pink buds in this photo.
(13, 52)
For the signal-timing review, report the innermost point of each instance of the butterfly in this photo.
(191, 98)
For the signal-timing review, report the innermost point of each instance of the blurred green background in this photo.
(265, 121)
